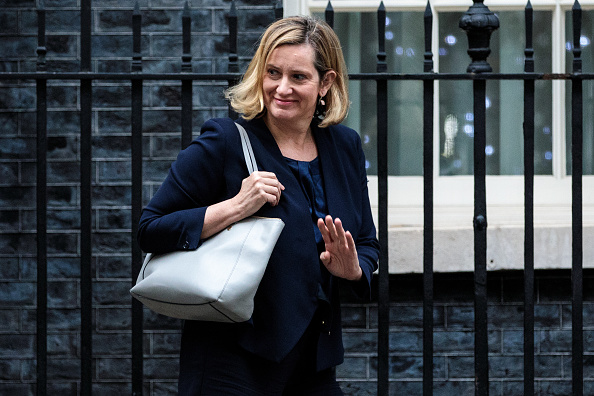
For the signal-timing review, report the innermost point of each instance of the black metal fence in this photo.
(479, 22)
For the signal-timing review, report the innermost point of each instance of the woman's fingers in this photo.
(350, 241)
(340, 233)
(324, 230)
(271, 194)
(334, 230)
(326, 258)
(340, 256)
(270, 186)
(263, 187)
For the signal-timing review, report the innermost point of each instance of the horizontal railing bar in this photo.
(118, 76)
(470, 76)
(232, 76)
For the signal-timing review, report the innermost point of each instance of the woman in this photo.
(292, 98)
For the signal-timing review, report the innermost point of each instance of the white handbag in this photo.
(218, 281)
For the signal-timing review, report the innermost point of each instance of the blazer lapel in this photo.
(332, 173)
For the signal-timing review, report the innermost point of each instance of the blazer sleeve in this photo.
(366, 242)
(174, 217)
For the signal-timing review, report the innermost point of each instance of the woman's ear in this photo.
(327, 81)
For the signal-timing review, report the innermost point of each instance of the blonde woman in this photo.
(292, 99)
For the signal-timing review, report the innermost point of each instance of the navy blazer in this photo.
(212, 168)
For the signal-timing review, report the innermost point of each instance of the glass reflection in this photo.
(405, 49)
(587, 91)
(504, 102)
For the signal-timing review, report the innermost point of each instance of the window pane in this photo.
(587, 89)
(505, 99)
(405, 50)
(405, 54)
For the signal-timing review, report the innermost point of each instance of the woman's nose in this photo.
(284, 86)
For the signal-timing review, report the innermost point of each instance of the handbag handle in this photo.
(250, 160)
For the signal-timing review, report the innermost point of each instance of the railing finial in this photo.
(233, 66)
(278, 10)
(529, 50)
(428, 20)
(41, 48)
(382, 66)
(136, 39)
(186, 39)
(576, 16)
(329, 15)
(479, 22)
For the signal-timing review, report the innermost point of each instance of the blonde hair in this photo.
(247, 97)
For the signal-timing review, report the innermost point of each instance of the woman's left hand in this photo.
(340, 257)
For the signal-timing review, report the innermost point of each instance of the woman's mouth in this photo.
(283, 102)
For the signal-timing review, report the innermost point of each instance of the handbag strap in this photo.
(250, 160)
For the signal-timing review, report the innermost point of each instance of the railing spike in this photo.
(428, 21)
(136, 39)
(232, 17)
(233, 66)
(576, 11)
(381, 29)
(529, 51)
(428, 9)
(329, 15)
(278, 10)
(41, 37)
(186, 38)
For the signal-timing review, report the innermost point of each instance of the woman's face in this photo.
(291, 84)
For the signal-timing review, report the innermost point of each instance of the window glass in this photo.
(586, 38)
(405, 54)
(505, 99)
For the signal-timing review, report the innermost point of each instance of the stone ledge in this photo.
(454, 248)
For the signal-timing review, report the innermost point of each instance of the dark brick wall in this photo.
(161, 45)
(453, 316)
(111, 50)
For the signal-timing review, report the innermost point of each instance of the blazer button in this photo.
(186, 245)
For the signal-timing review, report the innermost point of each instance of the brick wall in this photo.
(111, 223)
(453, 316)
(111, 192)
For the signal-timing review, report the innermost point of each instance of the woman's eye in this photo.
(299, 77)
(272, 72)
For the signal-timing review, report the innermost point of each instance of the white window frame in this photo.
(454, 195)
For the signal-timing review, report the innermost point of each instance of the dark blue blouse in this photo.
(309, 176)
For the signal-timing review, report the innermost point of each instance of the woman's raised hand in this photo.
(340, 257)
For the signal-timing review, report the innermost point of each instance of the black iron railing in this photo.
(479, 22)
(529, 209)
